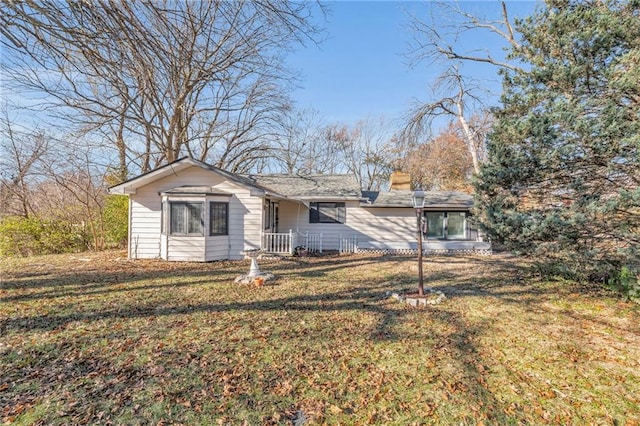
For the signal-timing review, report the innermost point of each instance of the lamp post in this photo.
(418, 204)
(418, 198)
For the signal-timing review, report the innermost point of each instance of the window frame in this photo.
(173, 204)
(462, 236)
(163, 217)
(443, 225)
(339, 210)
(226, 218)
(444, 235)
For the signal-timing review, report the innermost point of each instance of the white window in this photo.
(186, 219)
(218, 218)
(456, 225)
(446, 225)
(435, 224)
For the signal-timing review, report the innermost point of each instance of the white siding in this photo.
(144, 230)
(164, 246)
(245, 219)
(393, 228)
(217, 248)
(186, 248)
(373, 227)
(386, 226)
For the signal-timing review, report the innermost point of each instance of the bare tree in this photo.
(463, 100)
(459, 97)
(323, 156)
(299, 142)
(366, 152)
(311, 147)
(72, 190)
(161, 79)
(436, 42)
(21, 154)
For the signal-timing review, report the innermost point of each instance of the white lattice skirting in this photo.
(438, 252)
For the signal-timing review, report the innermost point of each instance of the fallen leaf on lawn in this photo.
(334, 409)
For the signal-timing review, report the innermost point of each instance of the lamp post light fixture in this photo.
(418, 199)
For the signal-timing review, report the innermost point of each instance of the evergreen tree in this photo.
(562, 179)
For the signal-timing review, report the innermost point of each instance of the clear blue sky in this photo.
(361, 69)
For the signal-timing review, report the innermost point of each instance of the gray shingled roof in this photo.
(402, 198)
(311, 186)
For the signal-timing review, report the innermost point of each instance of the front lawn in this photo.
(94, 338)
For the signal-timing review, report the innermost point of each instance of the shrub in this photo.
(20, 236)
(116, 220)
(626, 282)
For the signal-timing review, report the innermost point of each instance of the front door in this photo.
(271, 216)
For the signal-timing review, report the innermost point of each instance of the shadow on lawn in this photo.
(92, 284)
(454, 344)
(69, 284)
(368, 298)
(470, 384)
(362, 298)
(109, 276)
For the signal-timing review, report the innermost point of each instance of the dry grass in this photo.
(98, 339)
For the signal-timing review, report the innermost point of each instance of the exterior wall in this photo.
(295, 216)
(393, 228)
(186, 248)
(373, 228)
(217, 248)
(245, 220)
(385, 226)
(144, 226)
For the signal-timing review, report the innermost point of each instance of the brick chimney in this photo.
(400, 180)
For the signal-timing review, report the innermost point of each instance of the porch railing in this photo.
(286, 242)
(312, 242)
(279, 242)
(348, 243)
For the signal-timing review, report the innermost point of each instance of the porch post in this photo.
(291, 242)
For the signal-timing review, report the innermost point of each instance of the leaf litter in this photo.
(100, 339)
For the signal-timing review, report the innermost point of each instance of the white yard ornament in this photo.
(255, 275)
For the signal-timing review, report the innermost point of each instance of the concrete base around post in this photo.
(432, 297)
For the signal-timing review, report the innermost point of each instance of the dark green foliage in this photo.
(626, 282)
(20, 236)
(563, 175)
(116, 220)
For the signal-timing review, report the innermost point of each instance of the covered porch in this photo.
(294, 242)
